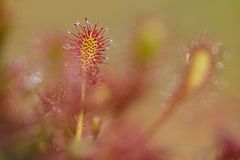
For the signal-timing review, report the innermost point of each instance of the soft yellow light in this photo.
(199, 68)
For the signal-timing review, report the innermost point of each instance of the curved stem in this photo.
(171, 107)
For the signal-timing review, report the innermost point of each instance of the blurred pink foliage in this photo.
(40, 96)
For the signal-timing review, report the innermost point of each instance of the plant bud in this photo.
(201, 60)
(150, 38)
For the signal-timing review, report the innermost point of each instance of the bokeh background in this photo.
(192, 128)
(184, 20)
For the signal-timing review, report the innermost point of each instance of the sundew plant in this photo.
(92, 89)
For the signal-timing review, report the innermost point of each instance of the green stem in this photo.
(79, 128)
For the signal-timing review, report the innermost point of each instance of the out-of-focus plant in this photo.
(149, 41)
(4, 27)
(229, 148)
(201, 59)
(4, 24)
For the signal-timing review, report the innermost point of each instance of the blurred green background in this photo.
(184, 19)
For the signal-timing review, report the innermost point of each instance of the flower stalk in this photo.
(79, 128)
(87, 46)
